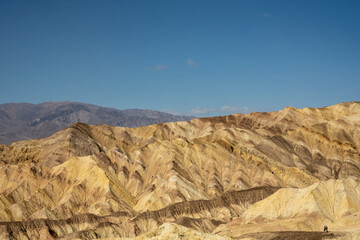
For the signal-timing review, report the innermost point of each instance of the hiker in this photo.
(325, 228)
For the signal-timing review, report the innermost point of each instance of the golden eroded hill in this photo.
(269, 175)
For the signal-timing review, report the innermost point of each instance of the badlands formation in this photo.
(276, 175)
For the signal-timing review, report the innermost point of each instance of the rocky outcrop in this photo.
(334, 203)
(203, 215)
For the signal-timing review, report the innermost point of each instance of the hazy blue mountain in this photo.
(20, 121)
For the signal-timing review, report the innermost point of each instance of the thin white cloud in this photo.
(267, 15)
(228, 109)
(172, 111)
(190, 62)
(201, 111)
(234, 109)
(158, 67)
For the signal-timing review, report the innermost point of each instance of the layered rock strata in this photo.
(292, 170)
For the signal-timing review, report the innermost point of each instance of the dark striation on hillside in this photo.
(21, 121)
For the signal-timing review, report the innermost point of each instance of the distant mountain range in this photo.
(20, 121)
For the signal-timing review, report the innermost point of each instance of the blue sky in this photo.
(201, 58)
